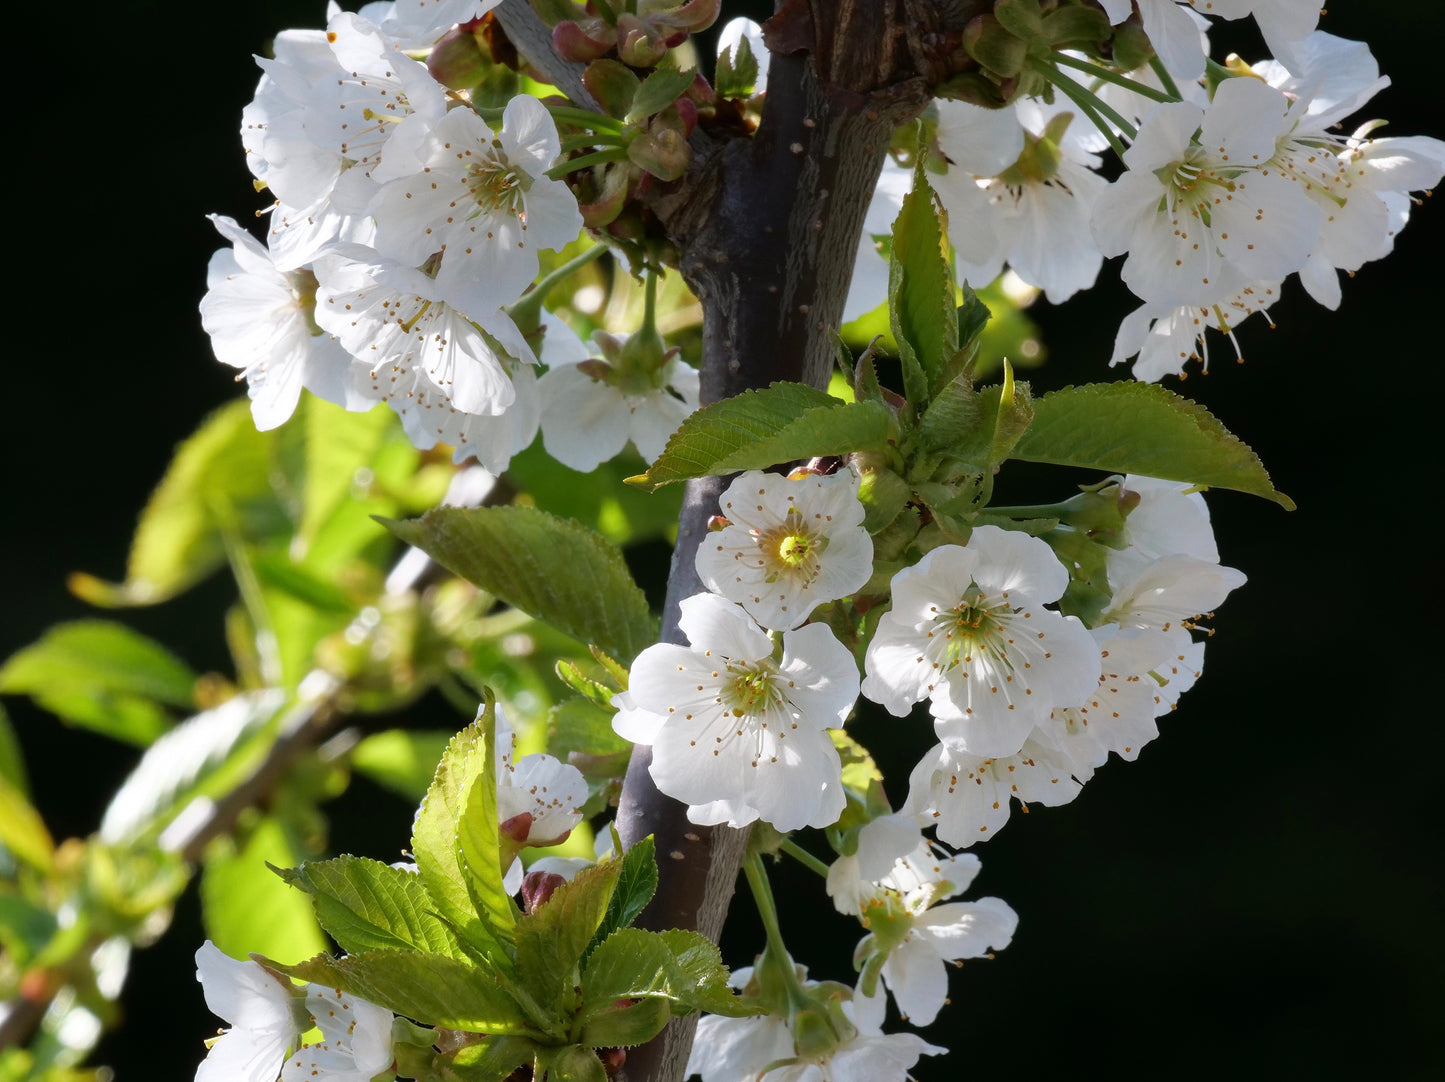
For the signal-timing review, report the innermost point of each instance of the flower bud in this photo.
(459, 61)
(537, 887)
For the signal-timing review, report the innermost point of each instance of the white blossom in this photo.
(266, 1012)
(1200, 220)
(422, 22)
(791, 545)
(550, 791)
(587, 419)
(481, 199)
(355, 1044)
(262, 320)
(1163, 339)
(736, 734)
(969, 632)
(1171, 591)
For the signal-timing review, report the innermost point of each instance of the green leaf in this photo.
(478, 841)
(636, 884)
(702, 977)
(1005, 412)
(581, 725)
(401, 760)
(627, 964)
(435, 843)
(12, 763)
(427, 988)
(921, 292)
(659, 90)
(223, 469)
(22, 831)
(953, 418)
(737, 71)
(623, 1025)
(102, 676)
(245, 909)
(552, 938)
(758, 429)
(339, 443)
(492, 1060)
(599, 499)
(367, 905)
(1142, 428)
(553, 569)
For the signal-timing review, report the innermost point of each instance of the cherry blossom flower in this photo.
(968, 631)
(1163, 339)
(1033, 210)
(967, 797)
(591, 411)
(267, 1015)
(393, 319)
(539, 798)
(791, 544)
(261, 320)
(1200, 220)
(481, 199)
(736, 734)
(355, 1044)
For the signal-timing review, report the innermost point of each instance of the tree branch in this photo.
(767, 231)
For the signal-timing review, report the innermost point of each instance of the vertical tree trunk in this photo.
(768, 234)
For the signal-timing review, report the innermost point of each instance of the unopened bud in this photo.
(458, 61)
(575, 42)
(537, 887)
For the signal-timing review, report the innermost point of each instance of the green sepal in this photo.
(367, 905)
(998, 51)
(573, 1063)
(1169, 437)
(757, 429)
(557, 571)
(1072, 26)
(1006, 412)
(613, 84)
(427, 988)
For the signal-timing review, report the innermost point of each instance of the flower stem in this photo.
(527, 311)
(768, 912)
(1092, 108)
(585, 118)
(590, 139)
(1165, 78)
(1114, 77)
(803, 857)
(611, 154)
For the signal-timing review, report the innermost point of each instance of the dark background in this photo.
(1260, 895)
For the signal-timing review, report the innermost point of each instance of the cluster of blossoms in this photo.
(539, 802)
(269, 1015)
(403, 228)
(1227, 191)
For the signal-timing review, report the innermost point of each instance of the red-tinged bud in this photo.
(693, 16)
(700, 91)
(517, 828)
(687, 112)
(537, 887)
(638, 44)
(661, 149)
(718, 522)
(458, 61)
(573, 42)
(676, 39)
(613, 1059)
(603, 210)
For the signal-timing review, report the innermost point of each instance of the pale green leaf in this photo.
(621, 513)
(401, 760)
(12, 763)
(427, 988)
(102, 676)
(1142, 428)
(736, 73)
(22, 831)
(478, 841)
(434, 841)
(492, 1060)
(553, 569)
(661, 88)
(246, 908)
(702, 979)
(552, 938)
(921, 292)
(758, 429)
(339, 443)
(367, 905)
(636, 884)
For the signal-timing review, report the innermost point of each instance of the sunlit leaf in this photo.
(246, 908)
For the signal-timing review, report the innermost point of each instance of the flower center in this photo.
(790, 550)
(750, 689)
(498, 186)
(976, 627)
